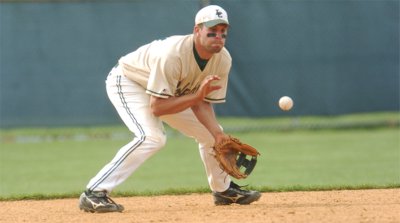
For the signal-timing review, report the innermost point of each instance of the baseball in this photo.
(285, 103)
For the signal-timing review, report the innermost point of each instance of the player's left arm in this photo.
(204, 112)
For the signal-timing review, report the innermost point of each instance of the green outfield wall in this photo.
(332, 57)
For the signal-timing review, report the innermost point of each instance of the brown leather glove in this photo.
(236, 158)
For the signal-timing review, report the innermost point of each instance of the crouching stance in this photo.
(172, 81)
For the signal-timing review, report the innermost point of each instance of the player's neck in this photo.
(203, 54)
(201, 62)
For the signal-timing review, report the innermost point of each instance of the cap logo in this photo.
(218, 13)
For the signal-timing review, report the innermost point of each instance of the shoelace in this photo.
(237, 187)
(112, 201)
(105, 197)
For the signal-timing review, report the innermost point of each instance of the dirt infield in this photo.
(330, 206)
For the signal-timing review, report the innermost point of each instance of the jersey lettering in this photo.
(184, 90)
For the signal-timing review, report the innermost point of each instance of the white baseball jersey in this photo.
(163, 68)
(168, 68)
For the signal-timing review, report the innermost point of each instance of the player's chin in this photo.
(216, 48)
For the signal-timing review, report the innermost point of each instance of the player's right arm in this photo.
(171, 105)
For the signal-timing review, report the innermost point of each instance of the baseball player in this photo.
(174, 81)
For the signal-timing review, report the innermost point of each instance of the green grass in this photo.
(60, 165)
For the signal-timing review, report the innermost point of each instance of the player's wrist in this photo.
(220, 136)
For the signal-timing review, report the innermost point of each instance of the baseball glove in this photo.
(236, 158)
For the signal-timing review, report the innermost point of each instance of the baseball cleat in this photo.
(234, 194)
(98, 201)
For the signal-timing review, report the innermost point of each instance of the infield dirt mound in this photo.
(329, 206)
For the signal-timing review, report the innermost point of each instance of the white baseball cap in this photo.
(211, 15)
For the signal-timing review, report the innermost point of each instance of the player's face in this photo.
(213, 39)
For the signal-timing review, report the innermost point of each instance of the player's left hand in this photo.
(236, 158)
(221, 138)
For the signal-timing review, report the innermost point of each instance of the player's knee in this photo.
(206, 144)
(157, 141)
(206, 141)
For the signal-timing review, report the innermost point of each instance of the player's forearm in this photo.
(205, 114)
(171, 105)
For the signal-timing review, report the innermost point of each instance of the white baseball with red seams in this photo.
(285, 103)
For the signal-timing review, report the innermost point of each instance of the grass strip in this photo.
(201, 190)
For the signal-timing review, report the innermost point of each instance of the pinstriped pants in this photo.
(132, 105)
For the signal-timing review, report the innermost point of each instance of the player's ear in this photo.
(197, 28)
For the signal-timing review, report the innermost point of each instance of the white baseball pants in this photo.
(132, 104)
